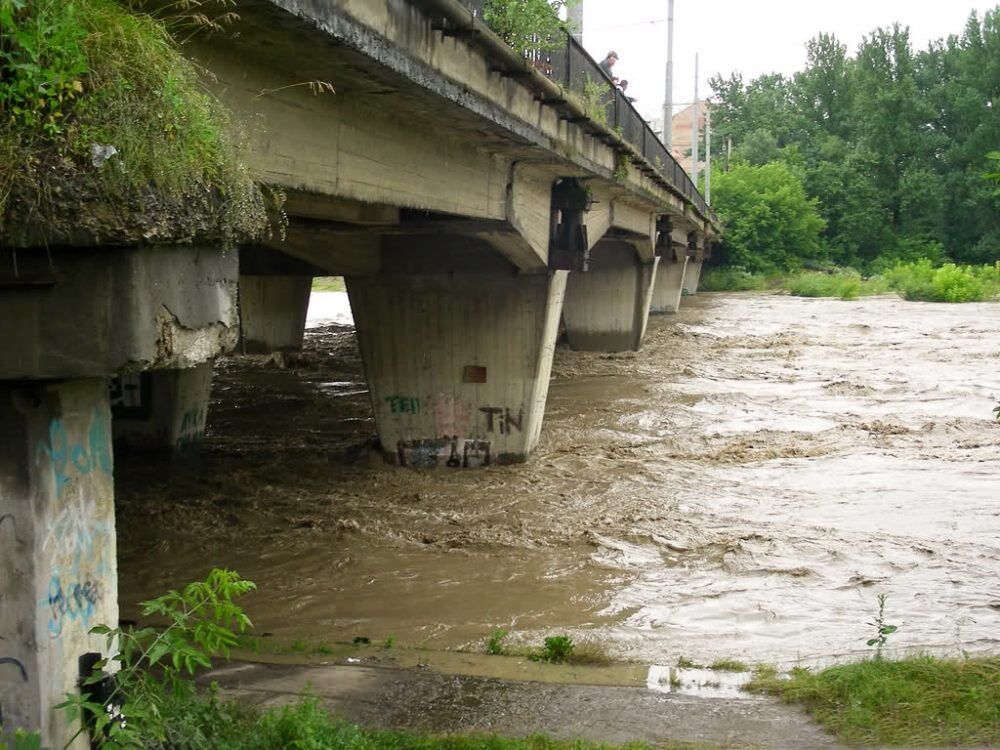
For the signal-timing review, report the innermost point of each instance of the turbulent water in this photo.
(742, 487)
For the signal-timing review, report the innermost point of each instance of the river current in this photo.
(742, 487)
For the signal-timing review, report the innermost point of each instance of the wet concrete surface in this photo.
(743, 487)
(426, 701)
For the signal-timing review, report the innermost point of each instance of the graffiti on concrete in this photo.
(73, 602)
(453, 452)
(403, 404)
(502, 419)
(68, 457)
(16, 663)
(70, 530)
(192, 428)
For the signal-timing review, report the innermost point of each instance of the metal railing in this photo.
(567, 63)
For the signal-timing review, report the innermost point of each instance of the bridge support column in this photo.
(458, 363)
(58, 574)
(692, 274)
(273, 312)
(162, 410)
(669, 286)
(607, 307)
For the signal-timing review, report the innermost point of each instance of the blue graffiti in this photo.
(65, 455)
(74, 602)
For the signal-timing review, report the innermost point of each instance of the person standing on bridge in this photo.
(607, 64)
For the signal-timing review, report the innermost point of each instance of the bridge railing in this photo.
(566, 62)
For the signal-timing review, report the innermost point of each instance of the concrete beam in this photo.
(458, 363)
(119, 309)
(607, 307)
(58, 566)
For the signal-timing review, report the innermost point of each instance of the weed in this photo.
(729, 279)
(882, 630)
(729, 665)
(596, 96)
(621, 168)
(389, 642)
(495, 645)
(996, 412)
(684, 663)
(556, 650)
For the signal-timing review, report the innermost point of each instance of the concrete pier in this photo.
(692, 274)
(71, 319)
(162, 410)
(58, 572)
(458, 364)
(273, 312)
(607, 307)
(668, 286)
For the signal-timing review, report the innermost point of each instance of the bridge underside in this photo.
(470, 216)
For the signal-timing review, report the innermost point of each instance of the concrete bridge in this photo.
(476, 200)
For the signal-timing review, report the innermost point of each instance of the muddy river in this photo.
(742, 487)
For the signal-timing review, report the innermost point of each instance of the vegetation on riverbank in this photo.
(107, 134)
(329, 284)
(920, 280)
(894, 146)
(920, 701)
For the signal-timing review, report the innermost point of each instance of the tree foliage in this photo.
(769, 221)
(892, 143)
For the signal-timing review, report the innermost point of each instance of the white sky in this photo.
(752, 36)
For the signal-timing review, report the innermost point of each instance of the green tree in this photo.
(770, 223)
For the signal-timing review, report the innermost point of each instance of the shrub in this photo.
(949, 283)
(728, 279)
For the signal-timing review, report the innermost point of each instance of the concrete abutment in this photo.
(458, 363)
(607, 307)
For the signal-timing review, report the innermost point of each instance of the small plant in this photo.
(621, 168)
(596, 96)
(556, 650)
(495, 645)
(882, 630)
(389, 642)
(685, 663)
(156, 664)
(996, 412)
(729, 665)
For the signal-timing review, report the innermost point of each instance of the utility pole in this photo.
(695, 130)
(708, 152)
(574, 18)
(668, 92)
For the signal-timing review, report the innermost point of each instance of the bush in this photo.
(727, 279)
(818, 284)
(921, 281)
(769, 223)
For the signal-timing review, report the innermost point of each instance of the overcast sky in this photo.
(739, 35)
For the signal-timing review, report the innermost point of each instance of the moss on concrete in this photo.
(107, 135)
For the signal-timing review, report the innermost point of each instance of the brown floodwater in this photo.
(743, 487)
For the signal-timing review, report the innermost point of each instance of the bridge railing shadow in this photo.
(564, 60)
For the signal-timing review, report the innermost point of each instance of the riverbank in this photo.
(920, 281)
